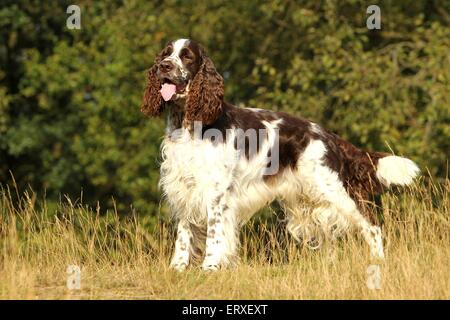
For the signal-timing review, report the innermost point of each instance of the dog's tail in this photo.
(394, 170)
(375, 169)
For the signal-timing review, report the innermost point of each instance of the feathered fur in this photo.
(214, 184)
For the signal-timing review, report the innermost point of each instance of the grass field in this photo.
(120, 259)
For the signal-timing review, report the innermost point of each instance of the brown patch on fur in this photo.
(357, 170)
(211, 232)
(153, 102)
(206, 91)
(217, 199)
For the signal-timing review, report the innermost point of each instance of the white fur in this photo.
(316, 128)
(396, 170)
(321, 192)
(201, 179)
(194, 169)
(174, 57)
(178, 45)
(182, 247)
(217, 189)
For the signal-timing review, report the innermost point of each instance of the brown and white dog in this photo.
(221, 164)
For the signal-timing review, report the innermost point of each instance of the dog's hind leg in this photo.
(314, 223)
(301, 225)
(338, 198)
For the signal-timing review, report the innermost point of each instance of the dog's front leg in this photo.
(221, 237)
(182, 253)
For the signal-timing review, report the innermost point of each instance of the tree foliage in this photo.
(69, 99)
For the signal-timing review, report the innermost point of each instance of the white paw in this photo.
(211, 264)
(178, 266)
(210, 267)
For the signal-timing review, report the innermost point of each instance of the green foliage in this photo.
(69, 99)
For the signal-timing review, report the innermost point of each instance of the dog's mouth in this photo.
(179, 85)
(171, 89)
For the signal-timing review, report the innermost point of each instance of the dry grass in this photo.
(120, 259)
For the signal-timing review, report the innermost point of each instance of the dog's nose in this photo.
(165, 66)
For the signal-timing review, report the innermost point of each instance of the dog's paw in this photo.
(210, 267)
(178, 266)
(212, 263)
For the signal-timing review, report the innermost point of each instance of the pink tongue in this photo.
(168, 90)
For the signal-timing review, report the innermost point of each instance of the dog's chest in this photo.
(193, 169)
(195, 172)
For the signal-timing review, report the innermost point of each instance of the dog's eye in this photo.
(167, 51)
(185, 54)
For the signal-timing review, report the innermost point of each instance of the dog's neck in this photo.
(175, 116)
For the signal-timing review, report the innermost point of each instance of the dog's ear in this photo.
(205, 99)
(153, 102)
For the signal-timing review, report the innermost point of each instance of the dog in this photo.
(222, 163)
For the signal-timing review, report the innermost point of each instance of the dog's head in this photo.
(184, 74)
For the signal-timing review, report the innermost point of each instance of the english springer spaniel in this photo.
(222, 163)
